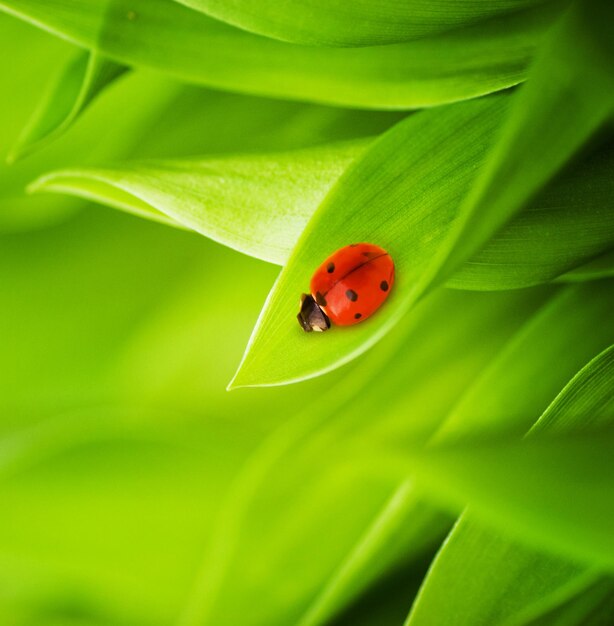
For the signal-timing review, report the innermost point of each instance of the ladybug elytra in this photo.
(349, 286)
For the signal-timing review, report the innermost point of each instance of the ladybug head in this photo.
(311, 316)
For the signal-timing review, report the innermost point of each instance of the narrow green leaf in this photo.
(493, 580)
(80, 81)
(336, 23)
(552, 491)
(600, 267)
(582, 310)
(168, 37)
(591, 607)
(400, 523)
(253, 203)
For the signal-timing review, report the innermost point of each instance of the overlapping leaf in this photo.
(166, 36)
(256, 560)
(188, 120)
(260, 203)
(81, 80)
(256, 203)
(503, 581)
(369, 22)
(553, 491)
(508, 578)
(569, 97)
(524, 363)
(308, 527)
(600, 267)
(409, 207)
(592, 607)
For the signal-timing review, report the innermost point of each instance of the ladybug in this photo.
(347, 288)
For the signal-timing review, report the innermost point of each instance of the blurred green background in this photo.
(135, 489)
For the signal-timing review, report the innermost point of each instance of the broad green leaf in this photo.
(407, 207)
(552, 491)
(389, 205)
(260, 203)
(168, 37)
(81, 80)
(565, 225)
(337, 23)
(254, 203)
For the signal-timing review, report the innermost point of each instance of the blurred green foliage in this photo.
(392, 483)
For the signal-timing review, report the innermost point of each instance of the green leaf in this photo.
(592, 607)
(117, 124)
(168, 37)
(389, 205)
(253, 203)
(369, 526)
(500, 577)
(27, 55)
(565, 225)
(494, 580)
(569, 96)
(600, 267)
(336, 23)
(81, 80)
(407, 207)
(580, 310)
(435, 359)
(552, 491)
(282, 190)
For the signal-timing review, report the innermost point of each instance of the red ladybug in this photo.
(347, 288)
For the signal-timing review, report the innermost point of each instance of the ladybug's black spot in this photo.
(320, 299)
(351, 295)
(357, 316)
(330, 268)
(383, 285)
(353, 245)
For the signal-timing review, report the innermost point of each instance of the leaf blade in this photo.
(452, 66)
(85, 76)
(519, 492)
(336, 24)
